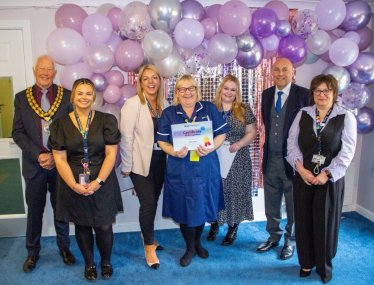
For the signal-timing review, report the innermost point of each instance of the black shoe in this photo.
(266, 246)
(30, 263)
(159, 247)
(213, 231)
(287, 252)
(305, 273)
(90, 273)
(326, 279)
(230, 236)
(186, 258)
(67, 256)
(106, 271)
(202, 252)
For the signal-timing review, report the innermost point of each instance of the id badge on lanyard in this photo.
(318, 158)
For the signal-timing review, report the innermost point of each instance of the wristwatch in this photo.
(101, 182)
(328, 173)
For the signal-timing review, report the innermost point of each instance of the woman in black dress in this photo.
(88, 192)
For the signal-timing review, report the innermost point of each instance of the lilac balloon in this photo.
(283, 28)
(343, 52)
(331, 13)
(305, 23)
(112, 94)
(319, 42)
(70, 16)
(112, 109)
(234, 18)
(100, 82)
(212, 13)
(270, 43)
(113, 43)
(222, 48)
(252, 58)
(127, 91)
(270, 54)
(65, 45)
(157, 44)
(356, 96)
(362, 70)
(129, 55)
(72, 72)
(99, 101)
(355, 37)
(170, 66)
(366, 37)
(189, 33)
(264, 23)
(365, 120)
(358, 16)
(311, 58)
(280, 9)
(293, 47)
(325, 56)
(97, 29)
(300, 63)
(98, 58)
(114, 77)
(195, 60)
(113, 17)
(134, 22)
(192, 9)
(210, 28)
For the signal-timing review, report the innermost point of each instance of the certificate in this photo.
(226, 158)
(192, 135)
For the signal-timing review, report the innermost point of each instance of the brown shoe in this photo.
(151, 257)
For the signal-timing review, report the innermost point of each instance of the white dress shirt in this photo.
(286, 92)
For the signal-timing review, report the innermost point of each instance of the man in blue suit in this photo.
(280, 104)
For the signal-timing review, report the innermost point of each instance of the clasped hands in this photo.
(200, 151)
(87, 189)
(46, 161)
(310, 179)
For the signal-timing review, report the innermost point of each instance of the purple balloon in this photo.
(70, 16)
(293, 47)
(362, 70)
(343, 52)
(98, 58)
(212, 13)
(114, 77)
(112, 109)
(356, 96)
(100, 82)
(305, 23)
(301, 62)
(72, 72)
(210, 28)
(129, 55)
(192, 9)
(283, 28)
(97, 29)
(331, 13)
(113, 17)
(365, 120)
(128, 91)
(65, 46)
(354, 36)
(112, 94)
(358, 16)
(222, 48)
(366, 37)
(325, 56)
(280, 9)
(270, 43)
(264, 23)
(189, 33)
(234, 18)
(252, 58)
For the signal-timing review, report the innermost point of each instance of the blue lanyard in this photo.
(228, 113)
(319, 126)
(151, 109)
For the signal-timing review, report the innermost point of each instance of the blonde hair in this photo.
(80, 82)
(238, 108)
(180, 82)
(139, 89)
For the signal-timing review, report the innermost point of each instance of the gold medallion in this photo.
(46, 128)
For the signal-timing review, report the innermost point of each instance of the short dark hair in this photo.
(79, 82)
(331, 83)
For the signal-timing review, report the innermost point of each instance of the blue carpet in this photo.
(236, 264)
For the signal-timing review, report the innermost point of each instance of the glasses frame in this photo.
(319, 92)
(183, 89)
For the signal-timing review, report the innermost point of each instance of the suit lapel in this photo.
(291, 108)
(33, 116)
(269, 102)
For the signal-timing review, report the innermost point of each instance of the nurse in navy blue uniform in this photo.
(193, 191)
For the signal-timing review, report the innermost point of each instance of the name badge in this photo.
(156, 146)
(82, 179)
(319, 159)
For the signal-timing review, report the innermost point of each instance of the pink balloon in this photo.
(325, 56)
(234, 18)
(128, 91)
(114, 77)
(129, 55)
(113, 43)
(97, 29)
(270, 54)
(65, 46)
(112, 94)
(112, 109)
(70, 16)
(212, 13)
(210, 28)
(98, 58)
(366, 37)
(72, 72)
(192, 9)
(113, 17)
(279, 8)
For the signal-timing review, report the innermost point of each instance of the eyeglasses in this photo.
(191, 89)
(326, 92)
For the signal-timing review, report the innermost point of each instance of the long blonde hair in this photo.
(180, 82)
(238, 108)
(139, 89)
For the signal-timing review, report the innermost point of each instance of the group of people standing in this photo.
(317, 143)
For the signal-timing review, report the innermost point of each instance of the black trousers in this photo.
(36, 196)
(317, 220)
(148, 190)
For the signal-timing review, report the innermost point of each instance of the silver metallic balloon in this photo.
(165, 14)
(252, 58)
(365, 120)
(245, 42)
(362, 70)
(170, 66)
(146, 61)
(99, 81)
(283, 28)
(341, 75)
(358, 16)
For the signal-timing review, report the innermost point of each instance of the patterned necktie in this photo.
(278, 106)
(45, 105)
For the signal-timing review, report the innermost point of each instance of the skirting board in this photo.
(364, 212)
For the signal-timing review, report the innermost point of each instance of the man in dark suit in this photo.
(280, 104)
(35, 108)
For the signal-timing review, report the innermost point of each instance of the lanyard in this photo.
(319, 126)
(193, 120)
(151, 109)
(228, 113)
(85, 145)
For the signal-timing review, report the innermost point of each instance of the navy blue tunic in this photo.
(193, 191)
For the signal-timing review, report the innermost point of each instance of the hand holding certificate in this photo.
(192, 135)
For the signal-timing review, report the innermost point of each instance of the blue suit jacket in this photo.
(297, 99)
